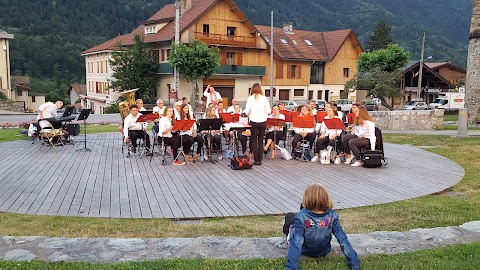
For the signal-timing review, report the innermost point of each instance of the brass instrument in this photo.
(124, 106)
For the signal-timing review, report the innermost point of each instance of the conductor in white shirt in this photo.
(257, 109)
(134, 130)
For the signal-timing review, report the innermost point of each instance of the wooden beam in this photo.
(233, 8)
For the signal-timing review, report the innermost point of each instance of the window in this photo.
(33, 98)
(206, 28)
(230, 58)
(298, 92)
(346, 72)
(284, 41)
(231, 31)
(168, 52)
(316, 73)
(19, 93)
(106, 66)
(293, 71)
(156, 55)
(309, 43)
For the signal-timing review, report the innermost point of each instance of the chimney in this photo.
(288, 27)
(186, 5)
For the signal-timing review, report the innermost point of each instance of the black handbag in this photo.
(241, 163)
(373, 159)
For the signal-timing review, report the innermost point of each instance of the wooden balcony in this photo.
(227, 40)
(166, 68)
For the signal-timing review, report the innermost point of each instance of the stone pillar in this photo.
(472, 89)
(462, 123)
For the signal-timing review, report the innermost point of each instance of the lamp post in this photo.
(420, 72)
(177, 40)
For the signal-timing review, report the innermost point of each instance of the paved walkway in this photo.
(111, 250)
(104, 183)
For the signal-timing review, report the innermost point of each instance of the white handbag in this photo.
(285, 154)
(327, 155)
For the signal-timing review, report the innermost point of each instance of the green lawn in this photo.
(11, 134)
(463, 257)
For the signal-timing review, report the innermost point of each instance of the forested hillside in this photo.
(50, 34)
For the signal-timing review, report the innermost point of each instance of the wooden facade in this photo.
(346, 58)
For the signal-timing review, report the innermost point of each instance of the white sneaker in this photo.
(337, 161)
(315, 158)
(356, 164)
(220, 157)
(348, 160)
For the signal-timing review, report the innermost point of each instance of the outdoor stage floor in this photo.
(39, 180)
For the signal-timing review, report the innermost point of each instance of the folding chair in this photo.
(48, 132)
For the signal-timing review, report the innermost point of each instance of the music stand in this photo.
(334, 123)
(235, 128)
(182, 125)
(275, 122)
(210, 124)
(83, 116)
(230, 118)
(320, 116)
(307, 121)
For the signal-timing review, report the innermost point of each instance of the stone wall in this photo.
(14, 106)
(409, 120)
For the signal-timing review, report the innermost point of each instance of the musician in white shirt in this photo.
(304, 133)
(212, 95)
(231, 109)
(159, 108)
(327, 136)
(139, 103)
(189, 137)
(134, 130)
(364, 133)
(273, 132)
(49, 109)
(190, 109)
(257, 109)
(168, 135)
(313, 105)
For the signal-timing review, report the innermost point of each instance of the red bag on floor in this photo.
(241, 163)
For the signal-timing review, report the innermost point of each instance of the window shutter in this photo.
(223, 58)
(162, 52)
(289, 71)
(299, 72)
(239, 59)
(279, 74)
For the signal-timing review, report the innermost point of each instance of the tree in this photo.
(194, 61)
(135, 67)
(381, 36)
(380, 72)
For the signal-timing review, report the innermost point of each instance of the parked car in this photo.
(370, 105)
(320, 104)
(344, 105)
(415, 104)
(289, 105)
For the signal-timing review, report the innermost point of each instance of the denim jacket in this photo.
(311, 236)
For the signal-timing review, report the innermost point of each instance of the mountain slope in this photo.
(50, 34)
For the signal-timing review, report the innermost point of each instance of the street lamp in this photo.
(420, 72)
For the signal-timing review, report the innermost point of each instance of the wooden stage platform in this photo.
(39, 180)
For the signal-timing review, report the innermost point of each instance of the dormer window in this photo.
(309, 43)
(284, 41)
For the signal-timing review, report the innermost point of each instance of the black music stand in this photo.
(210, 124)
(83, 116)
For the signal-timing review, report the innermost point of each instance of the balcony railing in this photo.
(166, 68)
(235, 41)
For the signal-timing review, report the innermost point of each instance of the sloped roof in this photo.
(5, 35)
(436, 65)
(167, 33)
(325, 45)
(23, 87)
(25, 80)
(80, 89)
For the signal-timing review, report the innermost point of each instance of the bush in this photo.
(3, 97)
(112, 109)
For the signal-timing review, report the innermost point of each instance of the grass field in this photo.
(465, 257)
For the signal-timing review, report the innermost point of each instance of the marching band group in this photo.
(263, 138)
